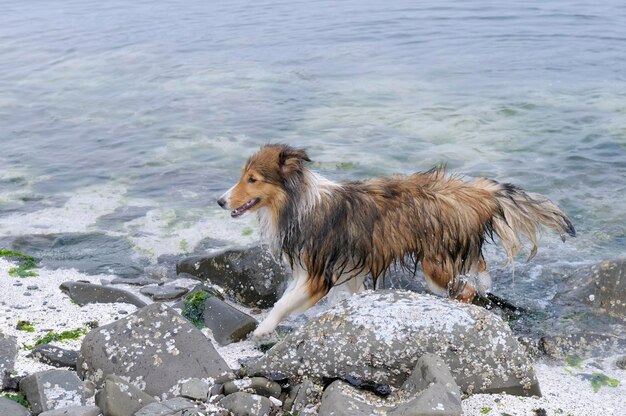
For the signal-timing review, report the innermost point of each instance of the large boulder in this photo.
(48, 390)
(249, 275)
(155, 349)
(379, 336)
(601, 287)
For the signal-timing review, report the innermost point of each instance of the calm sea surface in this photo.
(130, 117)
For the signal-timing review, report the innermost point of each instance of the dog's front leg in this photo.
(296, 298)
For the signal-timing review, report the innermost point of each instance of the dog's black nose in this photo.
(221, 202)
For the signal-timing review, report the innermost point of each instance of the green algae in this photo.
(600, 380)
(26, 263)
(193, 308)
(26, 326)
(19, 398)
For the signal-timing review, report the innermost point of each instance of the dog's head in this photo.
(263, 179)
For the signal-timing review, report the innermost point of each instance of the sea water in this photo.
(129, 119)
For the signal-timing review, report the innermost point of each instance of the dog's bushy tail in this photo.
(519, 213)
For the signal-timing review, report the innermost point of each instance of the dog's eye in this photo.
(251, 179)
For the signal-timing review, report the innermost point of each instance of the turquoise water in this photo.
(152, 107)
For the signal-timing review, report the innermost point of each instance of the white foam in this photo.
(78, 214)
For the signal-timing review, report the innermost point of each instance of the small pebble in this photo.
(18, 284)
(27, 294)
(32, 287)
(123, 312)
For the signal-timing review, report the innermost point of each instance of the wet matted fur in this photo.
(340, 233)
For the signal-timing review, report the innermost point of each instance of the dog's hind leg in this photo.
(298, 297)
(443, 282)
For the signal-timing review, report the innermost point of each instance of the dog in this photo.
(340, 233)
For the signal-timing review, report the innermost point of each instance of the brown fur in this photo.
(340, 231)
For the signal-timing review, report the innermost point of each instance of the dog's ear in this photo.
(292, 160)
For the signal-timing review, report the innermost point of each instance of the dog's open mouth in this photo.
(237, 212)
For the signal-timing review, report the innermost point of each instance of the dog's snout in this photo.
(221, 202)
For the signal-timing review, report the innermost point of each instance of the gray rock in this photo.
(430, 390)
(48, 390)
(120, 398)
(582, 344)
(134, 281)
(303, 396)
(621, 362)
(90, 253)
(378, 337)
(74, 411)
(195, 389)
(9, 407)
(245, 404)
(227, 323)
(84, 293)
(154, 348)
(249, 275)
(160, 293)
(8, 352)
(54, 356)
(171, 407)
(602, 287)
(254, 385)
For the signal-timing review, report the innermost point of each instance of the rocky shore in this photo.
(174, 341)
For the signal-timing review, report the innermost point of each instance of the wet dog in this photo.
(340, 233)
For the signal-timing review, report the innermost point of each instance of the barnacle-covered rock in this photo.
(379, 336)
(155, 349)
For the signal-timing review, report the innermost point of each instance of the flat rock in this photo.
(379, 336)
(120, 398)
(84, 293)
(54, 356)
(228, 324)
(8, 352)
(244, 404)
(254, 385)
(154, 348)
(74, 411)
(90, 253)
(249, 275)
(52, 389)
(165, 292)
(195, 389)
(134, 281)
(9, 407)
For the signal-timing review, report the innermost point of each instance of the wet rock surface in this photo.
(90, 253)
(165, 292)
(55, 356)
(601, 287)
(582, 344)
(52, 389)
(155, 348)
(227, 323)
(84, 293)
(249, 275)
(379, 336)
